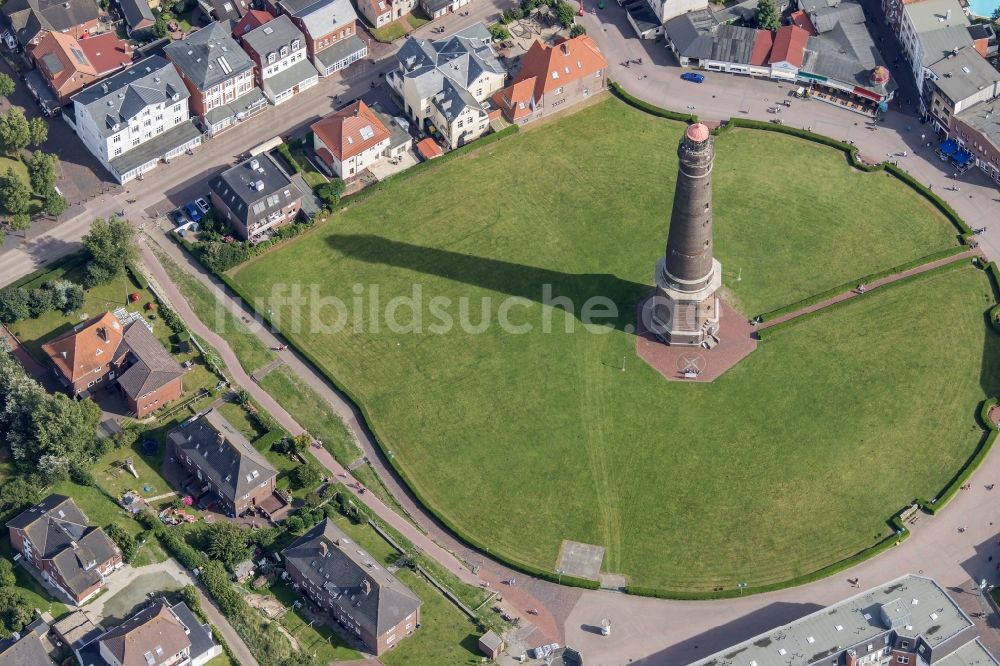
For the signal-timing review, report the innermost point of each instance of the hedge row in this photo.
(53, 271)
(984, 413)
(651, 109)
(955, 485)
(847, 286)
(768, 332)
(900, 534)
(937, 201)
(137, 277)
(505, 558)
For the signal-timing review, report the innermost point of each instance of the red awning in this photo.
(858, 90)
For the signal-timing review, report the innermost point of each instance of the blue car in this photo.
(693, 77)
(193, 212)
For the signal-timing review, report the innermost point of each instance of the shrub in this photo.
(499, 32)
(306, 476)
(125, 542)
(81, 475)
(14, 305)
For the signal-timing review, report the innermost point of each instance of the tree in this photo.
(565, 13)
(577, 30)
(6, 85)
(66, 296)
(331, 192)
(14, 194)
(125, 542)
(40, 301)
(38, 128)
(306, 476)
(15, 612)
(13, 305)
(17, 494)
(499, 32)
(19, 222)
(15, 133)
(55, 204)
(7, 577)
(228, 544)
(159, 29)
(768, 17)
(996, 15)
(42, 170)
(111, 244)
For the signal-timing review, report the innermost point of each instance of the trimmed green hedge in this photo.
(937, 201)
(938, 503)
(847, 286)
(651, 109)
(137, 277)
(53, 271)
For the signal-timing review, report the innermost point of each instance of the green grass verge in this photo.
(390, 32)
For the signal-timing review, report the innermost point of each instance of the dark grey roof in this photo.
(28, 17)
(454, 99)
(340, 50)
(643, 16)
(733, 44)
(432, 6)
(845, 52)
(399, 135)
(222, 10)
(243, 186)
(119, 98)
(59, 532)
(462, 57)
(241, 105)
(320, 17)
(224, 455)
(984, 118)
(209, 56)
(691, 33)
(298, 73)
(28, 651)
(273, 35)
(938, 44)
(826, 18)
(157, 147)
(136, 11)
(199, 634)
(373, 596)
(152, 366)
(965, 74)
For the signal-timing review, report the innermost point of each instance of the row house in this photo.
(136, 119)
(67, 65)
(278, 49)
(224, 469)
(255, 197)
(331, 31)
(976, 129)
(345, 581)
(446, 84)
(382, 12)
(73, 557)
(219, 75)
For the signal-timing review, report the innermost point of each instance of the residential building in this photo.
(350, 140)
(224, 11)
(956, 83)
(27, 18)
(644, 20)
(139, 19)
(554, 77)
(256, 197)
(438, 8)
(160, 634)
(330, 27)
(251, 20)
(668, 9)
(127, 355)
(347, 582)
(444, 83)
(68, 65)
(136, 118)
(279, 50)
(977, 131)
(224, 468)
(219, 75)
(910, 620)
(929, 31)
(75, 630)
(28, 648)
(73, 557)
(377, 12)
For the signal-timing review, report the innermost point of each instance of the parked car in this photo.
(178, 217)
(693, 77)
(193, 212)
(202, 205)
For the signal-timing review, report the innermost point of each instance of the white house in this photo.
(135, 119)
(356, 137)
(283, 68)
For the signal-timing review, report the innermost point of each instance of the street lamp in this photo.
(742, 586)
(560, 572)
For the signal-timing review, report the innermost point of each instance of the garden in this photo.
(521, 441)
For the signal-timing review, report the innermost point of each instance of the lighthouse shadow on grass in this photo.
(577, 293)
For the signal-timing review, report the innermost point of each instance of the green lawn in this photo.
(21, 171)
(525, 440)
(32, 590)
(240, 419)
(98, 508)
(319, 640)
(391, 31)
(417, 18)
(310, 174)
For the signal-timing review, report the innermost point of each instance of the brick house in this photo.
(330, 27)
(223, 467)
(128, 356)
(28, 18)
(68, 65)
(552, 78)
(252, 20)
(278, 48)
(74, 557)
(345, 581)
(219, 75)
(355, 137)
(255, 197)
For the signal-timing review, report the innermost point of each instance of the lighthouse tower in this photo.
(685, 306)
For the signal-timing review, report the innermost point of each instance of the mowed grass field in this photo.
(792, 460)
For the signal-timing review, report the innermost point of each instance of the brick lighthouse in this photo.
(685, 306)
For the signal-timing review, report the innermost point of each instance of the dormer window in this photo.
(295, 45)
(284, 51)
(271, 57)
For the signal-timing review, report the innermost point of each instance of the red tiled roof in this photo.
(762, 44)
(377, 7)
(350, 131)
(79, 62)
(428, 149)
(555, 66)
(519, 95)
(789, 45)
(84, 351)
(106, 52)
(251, 20)
(801, 19)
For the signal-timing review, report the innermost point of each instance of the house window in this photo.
(902, 660)
(284, 51)
(558, 91)
(271, 57)
(295, 45)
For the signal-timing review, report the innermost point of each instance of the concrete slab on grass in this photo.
(582, 560)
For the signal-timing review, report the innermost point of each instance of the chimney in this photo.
(366, 586)
(259, 185)
(851, 658)
(323, 548)
(947, 15)
(103, 333)
(565, 48)
(219, 439)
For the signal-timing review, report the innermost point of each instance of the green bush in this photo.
(651, 109)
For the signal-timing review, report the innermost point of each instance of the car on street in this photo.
(193, 212)
(202, 205)
(693, 77)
